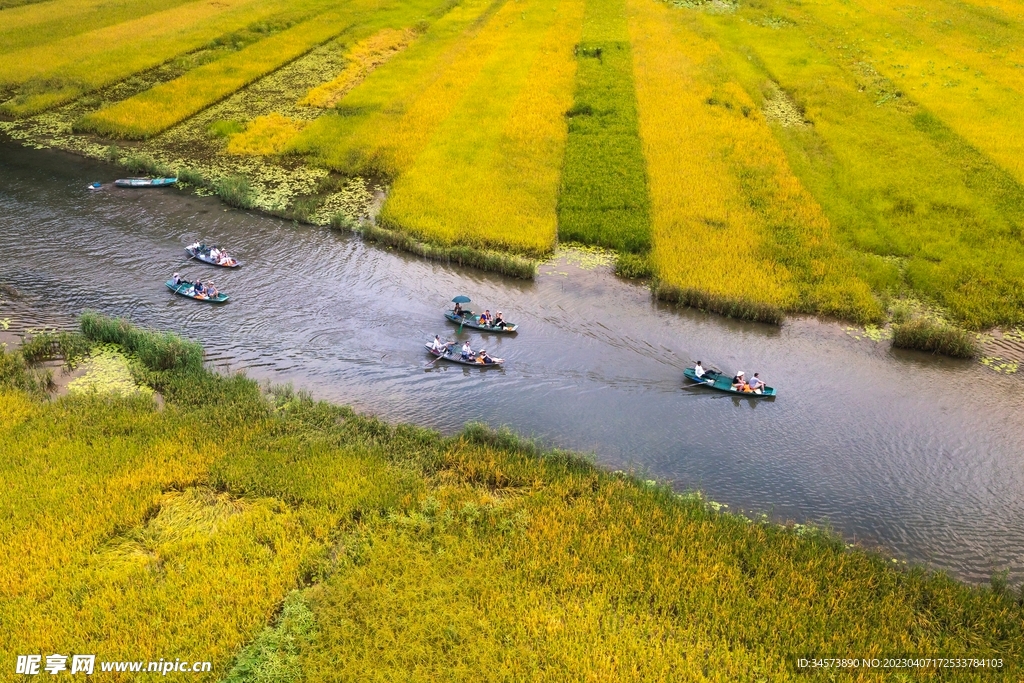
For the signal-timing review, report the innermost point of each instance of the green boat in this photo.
(453, 356)
(467, 319)
(716, 380)
(187, 289)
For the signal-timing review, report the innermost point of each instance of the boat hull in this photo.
(453, 356)
(714, 380)
(199, 256)
(510, 328)
(144, 182)
(185, 287)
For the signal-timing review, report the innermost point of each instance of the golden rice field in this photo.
(829, 156)
(286, 540)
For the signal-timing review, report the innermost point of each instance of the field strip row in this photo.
(72, 66)
(46, 22)
(698, 212)
(355, 141)
(922, 208)
(489, 174)
(969, 92)
(164, 105)
(604, 197)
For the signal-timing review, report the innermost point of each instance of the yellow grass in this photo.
(133, 533)
(489, 175)
(364, 57)
(935, 57)
(696, 206)
(729, 217)
(66, 68)
(48, 21)
(409, 103)
(264, 135)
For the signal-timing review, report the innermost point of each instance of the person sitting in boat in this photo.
(211, 291)
(437, 346)
(483, 358)
(755, 384)
(467, 351)
(198, 289)
(176, 279)
(739, 383)
(485, 317)
(457, 311)
(499, 321)
(699, 371)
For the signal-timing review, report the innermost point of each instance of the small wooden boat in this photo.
(185, 288)
(202, 253)
(716, 380)
(469, 320)
(144, 182)
(453, 356)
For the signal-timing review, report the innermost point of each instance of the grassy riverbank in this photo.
(287, 539)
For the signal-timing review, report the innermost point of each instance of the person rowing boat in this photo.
(438, 346)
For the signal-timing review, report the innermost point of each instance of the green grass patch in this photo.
(236, 191)
(603, 198)
(924, 334)
(157, 351)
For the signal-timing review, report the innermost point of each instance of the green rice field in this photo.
(284, 539)
(835, 157)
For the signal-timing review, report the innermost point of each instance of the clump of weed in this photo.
(343, 222)
(138, 163)
(191, 176)
(44, 346)
(924, 334)
(156, 350)
(223, 128)
(274, 654)
(633, 266)
(302, 209)
(236, 191)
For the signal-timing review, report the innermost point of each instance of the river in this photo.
(920, 456)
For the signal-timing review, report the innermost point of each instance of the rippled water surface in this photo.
(922, 456)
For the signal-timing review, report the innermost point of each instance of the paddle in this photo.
(437, 358)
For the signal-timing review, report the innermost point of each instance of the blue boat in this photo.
(144, 182)
(187, 289)
(716, 380)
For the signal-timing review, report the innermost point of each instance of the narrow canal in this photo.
(921, 456)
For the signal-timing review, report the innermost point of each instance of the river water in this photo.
(920, 456)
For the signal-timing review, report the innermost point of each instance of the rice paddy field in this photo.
(835, 157)
(284, 539)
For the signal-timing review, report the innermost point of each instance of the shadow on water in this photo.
(918, 454)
